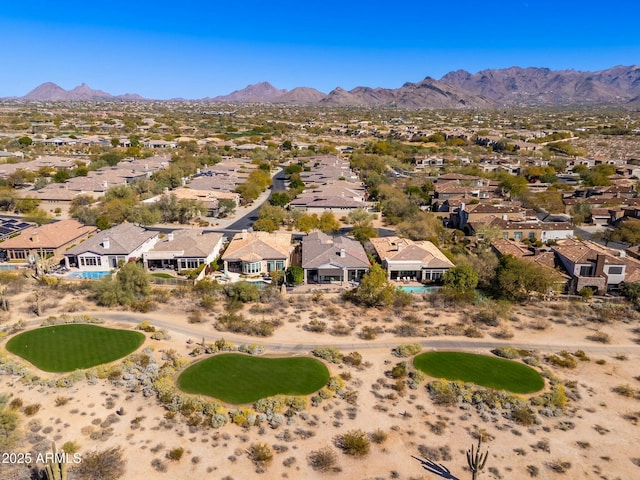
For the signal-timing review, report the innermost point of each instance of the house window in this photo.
(517, 235)
(585, 271)
(615, 270)
(192, 262)
(90, 261)
(505, 235)
(532, 235)
(275, 265)
(20, 254)
(253, 267)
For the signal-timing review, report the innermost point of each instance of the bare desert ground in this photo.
(595, 437)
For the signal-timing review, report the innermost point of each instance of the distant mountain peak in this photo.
(49, 91)
(257, 92)
(489, 88)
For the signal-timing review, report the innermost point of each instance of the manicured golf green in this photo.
(483, 370)
(64, 348)
(237, 379)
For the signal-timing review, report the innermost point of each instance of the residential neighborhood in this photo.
(359, 242)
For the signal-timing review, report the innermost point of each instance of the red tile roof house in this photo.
(52, 240)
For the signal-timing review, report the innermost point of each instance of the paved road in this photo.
(243, 218)
(197, 332)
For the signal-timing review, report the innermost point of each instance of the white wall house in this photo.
(110, 248)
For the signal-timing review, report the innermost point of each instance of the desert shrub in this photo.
(378, 436)
(236, 323)
(175, 454)
(260, 453)
(355, 443)
(316, 326)
(600, 337)
(563, 359)
(510, 352)
(559, 466)
(369, 333)
(340, 329)
(159, 465)
(406, 330)
(323, 460)
(330, 354)
(32, 409)
(106, 464)
(243, 292)
(581, 355)
(161, 334)
(407, 349)
(251, 349)
(444, 392)
(533, 471)
(624, 390)
(472, 331)
(354, 358)
(399, 371)
(503, 332)
(523, 415)
(70, 447)
(9, 420)
(61, 400)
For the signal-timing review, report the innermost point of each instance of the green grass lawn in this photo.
(483, 370)
(64, 348)
(162, 275)
(238, 379)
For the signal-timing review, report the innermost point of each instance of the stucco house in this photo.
(328, 259)
(405, 259)
(254, 253)
(51, 240)
(183, 250)
(591, 265)
(105, 250)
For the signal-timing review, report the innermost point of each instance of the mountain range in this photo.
(486, 89)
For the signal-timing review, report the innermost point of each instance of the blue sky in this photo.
(195, 49)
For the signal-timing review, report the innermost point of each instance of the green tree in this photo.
(306, 222)
(461, 281)
(27, 204)
(226, 207)
(627, 232)
(422, 226)
(328, 223)
(518, 279)
(130, 285)
(513, 185)
(375, 290)
(580, 213)
(279, 199)
(25, 141)
(265, 225)
(295, 275)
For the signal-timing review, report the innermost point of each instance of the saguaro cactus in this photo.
(56, 469)
(476, 460)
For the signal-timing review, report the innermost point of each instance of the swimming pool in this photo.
(90, 275)
(418, 289)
